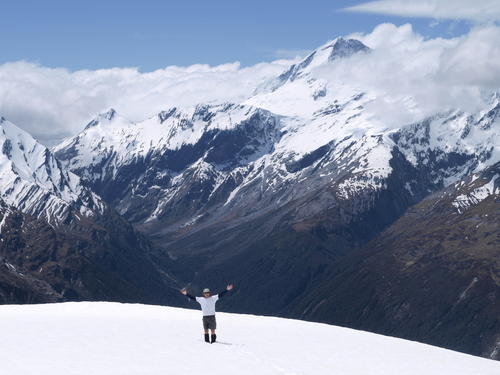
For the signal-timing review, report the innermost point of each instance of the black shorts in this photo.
(209, 322)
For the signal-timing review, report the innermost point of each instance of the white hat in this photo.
(206, 290)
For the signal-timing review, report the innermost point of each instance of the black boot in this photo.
(214, 337)
(207, 338)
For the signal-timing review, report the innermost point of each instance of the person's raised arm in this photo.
(228, 288)
(185, 292)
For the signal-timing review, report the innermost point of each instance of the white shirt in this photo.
(208, 304)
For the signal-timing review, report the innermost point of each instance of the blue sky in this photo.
(153, 34)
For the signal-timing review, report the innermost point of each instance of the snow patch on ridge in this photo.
(477, 195)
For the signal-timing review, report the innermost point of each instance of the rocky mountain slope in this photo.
(433, 274)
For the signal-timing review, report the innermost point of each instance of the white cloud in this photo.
(413, 78)
(55, 103)
(473, 10)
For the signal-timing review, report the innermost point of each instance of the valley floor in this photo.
(125, 339)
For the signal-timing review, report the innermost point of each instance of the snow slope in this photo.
(110, 338)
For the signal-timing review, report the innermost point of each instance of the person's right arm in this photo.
(184, 291)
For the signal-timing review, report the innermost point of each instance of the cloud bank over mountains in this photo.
(55, 103)
(413, 77)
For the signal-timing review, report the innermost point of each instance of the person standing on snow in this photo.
(207, 303)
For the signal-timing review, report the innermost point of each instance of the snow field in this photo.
(124, 339)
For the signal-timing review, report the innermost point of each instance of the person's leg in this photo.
(205, 328)
(213, 326)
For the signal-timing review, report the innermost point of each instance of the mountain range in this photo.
(312, 206)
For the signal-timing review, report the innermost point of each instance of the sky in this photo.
(63, 62)
(152, 34)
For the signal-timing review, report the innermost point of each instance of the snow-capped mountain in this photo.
(185, 165)
(33, 180)
(158, 160)
(272, 191)
(58, 239)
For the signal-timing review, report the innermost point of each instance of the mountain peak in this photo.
(107, 116)
(342, 48)
(164, 115)
(334, 50)
(33, 181)
(14, 133)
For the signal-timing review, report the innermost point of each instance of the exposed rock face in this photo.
(98, 259)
